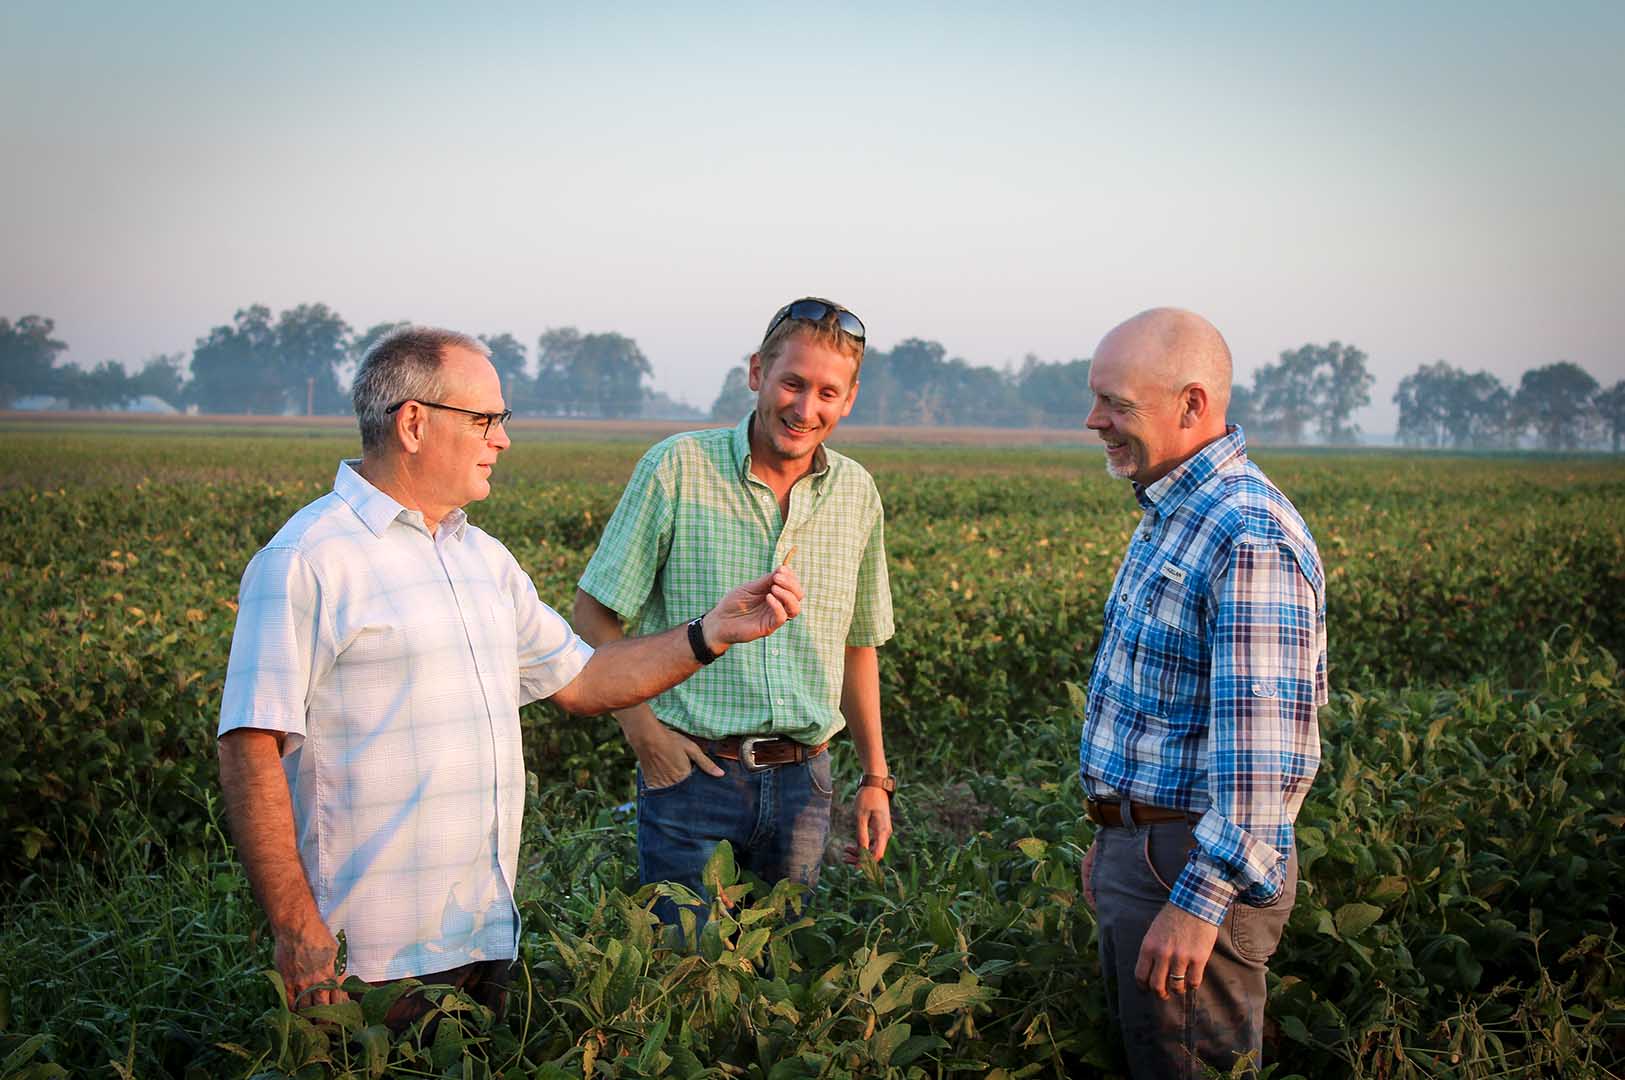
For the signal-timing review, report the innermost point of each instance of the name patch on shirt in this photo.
(1173, 573)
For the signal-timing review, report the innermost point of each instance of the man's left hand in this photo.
(1177, 944)
(873, 808)
(755, 609)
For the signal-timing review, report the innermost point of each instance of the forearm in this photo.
(860, 705)
(260, 812)
(625, 672)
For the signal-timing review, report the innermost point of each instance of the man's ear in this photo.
(1195, 405)
(410, 420)
(757, 370)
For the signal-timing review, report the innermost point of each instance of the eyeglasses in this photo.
(498, 419)
(813, 310)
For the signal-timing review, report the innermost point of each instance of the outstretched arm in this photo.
(665, 754)
(628, 671)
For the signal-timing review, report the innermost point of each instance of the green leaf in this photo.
(1387, 890)
(720, 871)
(874, 969)
(751, 944)
(346, 1014)
(375, 1042)
(1296, 1030)
(886, 1042)
(1032, 847)
(1353, 918)
(948, 997)
(912, 1048)
(377, 1002)
(651, 1046)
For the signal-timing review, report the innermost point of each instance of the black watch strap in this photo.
(696, 641)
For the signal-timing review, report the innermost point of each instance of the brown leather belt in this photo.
(1110, 814)
(762, 751)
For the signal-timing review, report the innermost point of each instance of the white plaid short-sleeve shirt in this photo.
(396, 662)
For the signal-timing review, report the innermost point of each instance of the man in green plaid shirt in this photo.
(739, 751)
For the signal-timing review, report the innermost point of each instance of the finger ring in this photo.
(1176, 978)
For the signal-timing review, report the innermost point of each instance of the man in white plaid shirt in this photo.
(738, 753)
(369, 728)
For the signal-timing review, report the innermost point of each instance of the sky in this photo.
(1440, 181)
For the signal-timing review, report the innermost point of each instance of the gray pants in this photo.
(1133, 873)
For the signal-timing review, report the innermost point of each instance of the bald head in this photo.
(1173, 348)
(1161, 382)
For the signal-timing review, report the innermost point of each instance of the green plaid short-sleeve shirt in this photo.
(693, 523)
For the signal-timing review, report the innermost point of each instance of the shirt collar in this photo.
(1186, 478)
(741, 453)
(378, 511)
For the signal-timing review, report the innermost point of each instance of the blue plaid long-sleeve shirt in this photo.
(1212, 665)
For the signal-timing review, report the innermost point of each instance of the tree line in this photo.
(302, 360)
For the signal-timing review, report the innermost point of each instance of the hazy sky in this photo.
(1425, 181)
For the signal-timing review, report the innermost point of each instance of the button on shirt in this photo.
(396, 662)
(1211, 667)
(693, 523)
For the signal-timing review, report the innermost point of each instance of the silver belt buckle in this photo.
(747, 751)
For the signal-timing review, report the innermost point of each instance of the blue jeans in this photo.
(776, 819)
(1134, 870)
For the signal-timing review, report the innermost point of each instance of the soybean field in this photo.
(1463, 849)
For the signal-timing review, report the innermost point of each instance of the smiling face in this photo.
(456, 454)
(1136, 412)
(800, 396)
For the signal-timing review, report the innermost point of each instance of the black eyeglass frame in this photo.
(500, 419)
(810, 309)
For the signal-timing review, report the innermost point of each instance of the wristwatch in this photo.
(888, 784)
(696, 641)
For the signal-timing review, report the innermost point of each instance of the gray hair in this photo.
(403, 365)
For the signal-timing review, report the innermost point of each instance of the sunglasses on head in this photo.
(813, 310)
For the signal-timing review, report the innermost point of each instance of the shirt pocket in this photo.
(1168, 667)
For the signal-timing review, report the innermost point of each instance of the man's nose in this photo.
(1095, 420)
(499, 437)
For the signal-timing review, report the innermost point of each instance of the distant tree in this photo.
(1286, 394)
(1440, 405)
(509, 357)
(1054, 395)
(1342, 385)
(1424, 398)
(161, 378)
(105, 386)
(27, 357)
(235, 367)
(312, 343)
(1240, 411)
(736, 398)
(658, 405)
(1610, 405)
(1555, 401)
(592, 374)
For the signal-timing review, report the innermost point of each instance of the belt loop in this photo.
(1126, 814)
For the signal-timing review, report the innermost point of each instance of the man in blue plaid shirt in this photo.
(1201, 737)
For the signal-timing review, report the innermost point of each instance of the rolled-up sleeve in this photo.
(1264, 736)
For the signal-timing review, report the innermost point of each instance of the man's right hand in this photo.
(665, 754)
(305, 956)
